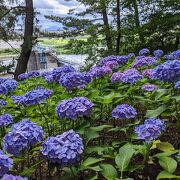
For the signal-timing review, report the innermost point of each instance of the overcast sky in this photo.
(54, 7)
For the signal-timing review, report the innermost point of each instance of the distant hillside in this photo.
(53, 28)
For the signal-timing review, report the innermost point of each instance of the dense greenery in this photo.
(112, 149)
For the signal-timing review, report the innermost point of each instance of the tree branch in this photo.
(9, 10)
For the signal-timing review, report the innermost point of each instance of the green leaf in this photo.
(177, 98)
(166, 175)
(91, 134)
(124, 156)
(168, 164)
(165, 146)
(91, 160)
(168, 153)
(98, 149)
(156, 112)
(108, 171)
(100, 128)
(160, 92)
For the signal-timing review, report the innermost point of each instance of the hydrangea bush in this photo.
(119, 119)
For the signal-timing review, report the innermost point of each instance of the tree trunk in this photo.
(27, 43)
(118, 28)
(137, 22)
(106, 26)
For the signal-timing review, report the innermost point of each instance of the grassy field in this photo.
(8, 52)
(57, 44)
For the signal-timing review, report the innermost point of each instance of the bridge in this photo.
(46, 58)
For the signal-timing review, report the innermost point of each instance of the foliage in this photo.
(99, 146)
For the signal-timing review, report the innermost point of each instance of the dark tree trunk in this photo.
(27, 43)
(137, 22)
(106, 26)
(118, 28)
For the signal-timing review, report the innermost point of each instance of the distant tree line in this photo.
(123, 26)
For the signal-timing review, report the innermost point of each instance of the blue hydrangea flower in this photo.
(176, 54)
(168, 71)
(3, 103)
(144, 52)
(75, 80)
(149, 87)
(124, 111)
(74, 107)
(31, 74)
(150, 130)
(5, 119)
(131, 55)
(57, 72)
(63, 149)
(11, 177)
(33, 97)
(169, 57)
(7, 86)
(158, 53)
(131, 76)
(116, 77)
(177, 85)
(144, 61)
(5, 163)
(23, 134)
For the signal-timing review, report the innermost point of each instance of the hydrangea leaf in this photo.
(108, 171)
(90, 161)
(166, 175)
(165, 146)
(124, 156)
(168, 164)
(156, 112)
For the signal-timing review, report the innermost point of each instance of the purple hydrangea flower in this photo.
(28, 75)
(131, 76)
(11, 177)
(168, 71)
(148, 73)
(111, 64)
(33, 97)
(23, 134)
(144, 52)
(7, 86)
(116, 77)
(178, 154)
(177, 85)
(150, 130)
(158, 53)
(122, 60)
(124, 111)
(63, 149)
(144, 61)
(109, 60)
(5, 119)
(131, 55)
(57, 72)
(96, 72)
(3, 103)
(74, 107)
(5, 163)
(149, 87)
(75, 80)
(176, 54)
